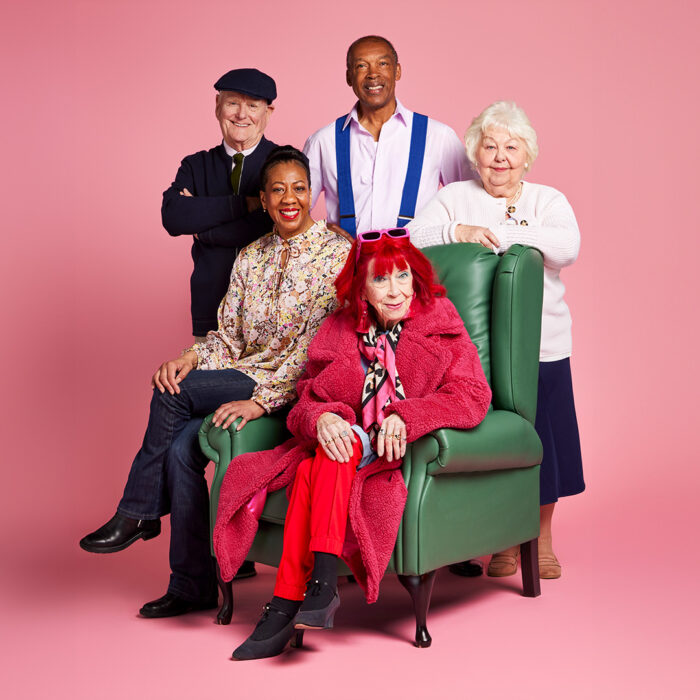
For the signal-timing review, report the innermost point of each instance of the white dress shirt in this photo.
(378, 168)
(232, 152)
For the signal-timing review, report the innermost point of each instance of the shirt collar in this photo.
(230, 152)
(400, 112)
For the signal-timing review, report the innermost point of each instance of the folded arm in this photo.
(222, 220)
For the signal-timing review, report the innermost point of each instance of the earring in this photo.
(364, 309)
(264, 209)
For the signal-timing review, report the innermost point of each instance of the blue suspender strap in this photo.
(346, 201)
(407, 210)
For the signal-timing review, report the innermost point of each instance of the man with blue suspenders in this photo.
(380, 163)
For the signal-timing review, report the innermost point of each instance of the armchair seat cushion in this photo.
(503, 440)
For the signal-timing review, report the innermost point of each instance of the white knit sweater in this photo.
(551, 228)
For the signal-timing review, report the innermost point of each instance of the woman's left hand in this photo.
(391, 438)
(228, 412)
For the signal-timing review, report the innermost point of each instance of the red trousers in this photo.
(316, 518)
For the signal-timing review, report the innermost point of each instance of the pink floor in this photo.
(616, 625)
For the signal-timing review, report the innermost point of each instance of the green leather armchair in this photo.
(470, 492)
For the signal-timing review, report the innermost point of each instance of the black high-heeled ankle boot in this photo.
(319, 606)
(274, 629)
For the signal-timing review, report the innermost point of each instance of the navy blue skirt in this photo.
(561, 473)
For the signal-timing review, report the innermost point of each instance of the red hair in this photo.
(386, 253)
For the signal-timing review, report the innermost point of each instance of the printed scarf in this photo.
(382, 384)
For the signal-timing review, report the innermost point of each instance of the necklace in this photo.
(510, 202)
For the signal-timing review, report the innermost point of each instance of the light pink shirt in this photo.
(378, 168)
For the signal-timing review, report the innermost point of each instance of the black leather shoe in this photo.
(267, 638)
(470, 568)
(119, 533)
(171, 605)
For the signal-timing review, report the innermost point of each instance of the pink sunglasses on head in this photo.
(371, 236)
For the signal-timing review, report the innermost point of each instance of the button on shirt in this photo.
(378, 168)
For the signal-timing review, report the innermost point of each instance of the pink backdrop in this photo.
(100, 102)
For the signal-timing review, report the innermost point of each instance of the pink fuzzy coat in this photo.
(445, 387)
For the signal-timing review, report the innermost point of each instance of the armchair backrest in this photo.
(500, 302)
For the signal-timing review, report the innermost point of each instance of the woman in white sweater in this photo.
(497, 211)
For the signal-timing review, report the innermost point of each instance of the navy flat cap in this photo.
(249, 81)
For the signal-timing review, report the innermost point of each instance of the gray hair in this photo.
(502, 115)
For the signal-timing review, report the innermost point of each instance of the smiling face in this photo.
(389, 295)
(372, 74)
(501, 160)
(287, 198)
(242, 118)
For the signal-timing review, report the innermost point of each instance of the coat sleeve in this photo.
(238, 233)
(189, 215)
(313, 397)
(460, 401)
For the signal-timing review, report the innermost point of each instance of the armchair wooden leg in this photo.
(226, 610)
(530, 568)
(420, 589)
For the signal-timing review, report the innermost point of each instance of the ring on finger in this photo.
(382, 431)
(344, 433)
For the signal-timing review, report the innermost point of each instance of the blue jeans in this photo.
(167, 475)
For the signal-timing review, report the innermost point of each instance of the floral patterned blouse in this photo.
(280, 292)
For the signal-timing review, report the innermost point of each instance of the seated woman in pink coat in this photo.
(392, 364)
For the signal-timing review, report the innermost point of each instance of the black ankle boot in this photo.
(270, 636)
(323, 584)
(318, 609)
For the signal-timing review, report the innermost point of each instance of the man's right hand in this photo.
(169, 375)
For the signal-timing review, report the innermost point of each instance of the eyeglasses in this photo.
(371, 236)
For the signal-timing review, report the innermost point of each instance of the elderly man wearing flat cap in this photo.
(215, 195)
(211, 199)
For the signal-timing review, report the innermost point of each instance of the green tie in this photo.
(236, 172)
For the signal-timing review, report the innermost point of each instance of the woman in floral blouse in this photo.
(281, 289)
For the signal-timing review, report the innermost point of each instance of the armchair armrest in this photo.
(261, 434)
(503, 440)
(221, 446)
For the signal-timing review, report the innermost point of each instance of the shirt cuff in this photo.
(449, 232)
(271, 400)
(368, 454)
